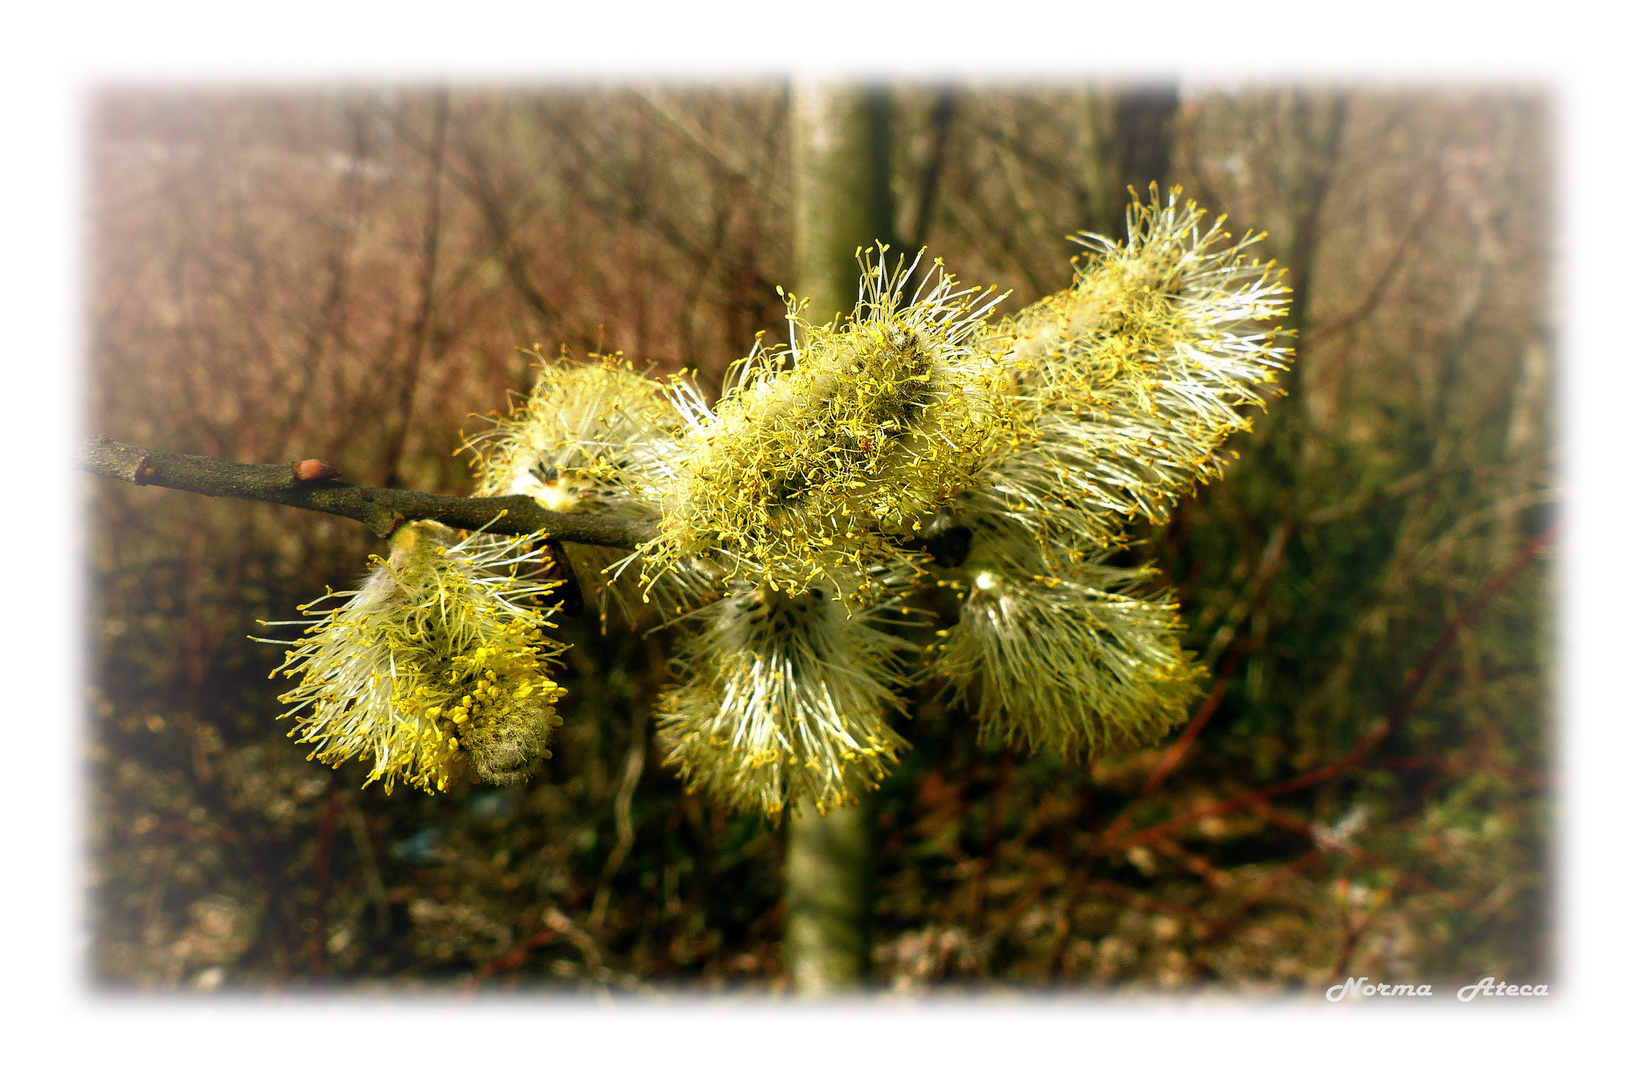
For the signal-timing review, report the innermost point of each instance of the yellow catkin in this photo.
(919, 440)
(396, 672)
(595, 438)
(783, 701)
(822, 457)
(1134, 378)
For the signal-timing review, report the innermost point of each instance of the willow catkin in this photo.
(919, 438)
(436, 667)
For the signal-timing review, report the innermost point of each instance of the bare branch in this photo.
(1376, 292)
(1399, 711)
(382, 509)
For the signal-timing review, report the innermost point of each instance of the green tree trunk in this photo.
(842, 202)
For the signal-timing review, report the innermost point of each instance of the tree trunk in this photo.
(842, 202)
(1128, 142)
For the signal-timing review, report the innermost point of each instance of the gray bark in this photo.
(313, 485)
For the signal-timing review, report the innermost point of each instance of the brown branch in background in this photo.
(941, 120)
(1376, 292)
(510, 960)
(422, 346)
(1421, 671)
(1398, 712)
(1283, 821)
(1356, 854)
(382, 509)
(1237, 802)
(1307, 234)
(1139, 901)
(1172, 758)
(712, 151)
(557, 924)
(1198, 865)
(1267, 886)
(1271, 560)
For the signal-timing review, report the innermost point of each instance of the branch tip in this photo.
(315, 484)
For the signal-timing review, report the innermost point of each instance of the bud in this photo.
(313, 470)
(588, 437)
(596, 438)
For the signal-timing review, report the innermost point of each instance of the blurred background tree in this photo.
(348, 275)
(843, 204)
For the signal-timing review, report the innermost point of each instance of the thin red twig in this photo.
(509, 960)
(556, 924)
(1258, 893)
(1172, 758)
(1417, 676)
(1412, 682)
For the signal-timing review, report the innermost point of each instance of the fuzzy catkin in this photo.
(917, 440)
(820, 456)
(595, 438)
(1133, 377)
(783, 701)
(1074, 665)
(435, 668)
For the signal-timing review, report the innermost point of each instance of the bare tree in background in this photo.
(842, 206)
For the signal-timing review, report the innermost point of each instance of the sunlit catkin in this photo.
(1133, 379)
(594, 437)
(1076, 664)
(1134, 376)
(436, 667)
(820, 456)
(783, 701)
(914, 442)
